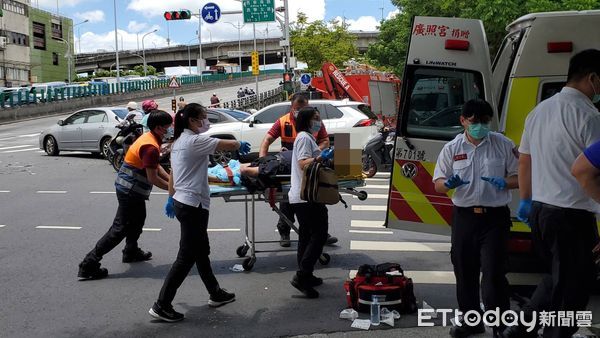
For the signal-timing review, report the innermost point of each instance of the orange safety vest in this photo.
(133, 153)
(288, 133)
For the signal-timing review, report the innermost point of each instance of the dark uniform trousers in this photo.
(314, 222)
(563, 238)
(194, 249)
(128, 224)
(480, 243)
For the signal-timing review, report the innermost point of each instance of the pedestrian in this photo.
(138, 174)
(285, 128)
(313, 218)
(246, 91)
(481, 167)
(214, 100)
(561, 216)
(147, 107)
(189, 200)
(240, 93)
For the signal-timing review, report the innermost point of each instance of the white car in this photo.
(339, 116)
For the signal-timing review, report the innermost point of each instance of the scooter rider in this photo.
(139, 172)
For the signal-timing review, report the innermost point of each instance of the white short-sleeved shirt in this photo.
(189, 163)
(305, 146)
(555, 133)
(495, 156)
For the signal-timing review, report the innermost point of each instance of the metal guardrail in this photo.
(255, 101)
(26, 96)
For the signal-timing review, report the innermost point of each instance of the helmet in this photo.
(149, 105)
(132, 105)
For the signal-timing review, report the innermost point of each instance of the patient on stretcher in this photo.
(259, 174)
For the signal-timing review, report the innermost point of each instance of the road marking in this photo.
(382, 175)
(103, 192)
(2, 225)
(20, 150)
(42, 152)
(366, 224)
(369, 207)
(29, 135)
(377, 179)
(15, 147)
(223, 230)
(447, 277)
(59, 227)
(151, 229)
(372, 232)
(4, 191)
(373, 186)
(159, 193)
(399, 246)
(376, 196)
(50, 192)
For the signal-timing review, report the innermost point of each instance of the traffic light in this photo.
(183, 14)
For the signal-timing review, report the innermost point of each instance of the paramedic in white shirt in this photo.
(313, 219)
(561, 216)
(190, 200)
(481, 167)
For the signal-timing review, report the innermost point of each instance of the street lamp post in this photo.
(239, 28)
(218, 52)
(68, 56)
(144, 49)
(116, 44)
(190, 56)
(78, 33)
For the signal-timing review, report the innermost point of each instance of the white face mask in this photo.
(205, 126)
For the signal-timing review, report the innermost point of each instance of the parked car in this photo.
(85, 130)
(339, 116)
(224, 115)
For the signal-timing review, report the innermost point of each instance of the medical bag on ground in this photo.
(319, 184)
(385, 280)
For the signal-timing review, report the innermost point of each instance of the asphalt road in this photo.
(54, 209)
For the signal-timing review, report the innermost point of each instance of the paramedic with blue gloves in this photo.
(188, 186)
(480, 166)
(561, 216)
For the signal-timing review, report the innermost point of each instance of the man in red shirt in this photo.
(285, 128)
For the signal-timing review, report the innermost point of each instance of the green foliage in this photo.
(390, 51)
(139, 70)
(318, 41)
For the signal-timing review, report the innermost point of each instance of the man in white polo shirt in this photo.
(480, 166)
(561, 216)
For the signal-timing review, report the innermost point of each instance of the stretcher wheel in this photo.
(248, 263)
(362, 195)
(324, 259)
(242, 250)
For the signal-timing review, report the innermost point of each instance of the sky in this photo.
(135, 18)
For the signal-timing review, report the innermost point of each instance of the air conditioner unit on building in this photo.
(3, 41)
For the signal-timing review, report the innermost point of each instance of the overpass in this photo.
(212, 52)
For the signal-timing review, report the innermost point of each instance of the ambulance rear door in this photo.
(448, 63)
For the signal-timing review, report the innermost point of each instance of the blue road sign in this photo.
(305, 79)
(211, 12)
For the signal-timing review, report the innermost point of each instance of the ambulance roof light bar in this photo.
(560, 47)
(457, 44)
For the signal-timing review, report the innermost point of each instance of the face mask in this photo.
(295, 114)
(596, 97)
(478, 130)
(205, 126)
(315, 126)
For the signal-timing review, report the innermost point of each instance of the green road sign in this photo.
(258, 10)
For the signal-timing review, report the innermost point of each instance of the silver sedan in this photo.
(85, 130)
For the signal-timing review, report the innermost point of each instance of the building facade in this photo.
(15, 62)
(52, 47)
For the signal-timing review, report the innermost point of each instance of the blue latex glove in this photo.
(244, 147)
(454, 182)
(170, 208)
(498, 182)
(327, 154)
(524, 211)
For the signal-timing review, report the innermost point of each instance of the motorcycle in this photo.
(378, 152)
(129, 131)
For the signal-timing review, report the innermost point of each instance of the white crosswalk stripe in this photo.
(399, 246)
(15, 147)
(375, 196)
(366, 224)
(369, 208)
(20, 150)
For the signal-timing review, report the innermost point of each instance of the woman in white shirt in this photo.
(312, 217)
(190, 198)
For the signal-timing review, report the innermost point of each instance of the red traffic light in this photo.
(183, 14)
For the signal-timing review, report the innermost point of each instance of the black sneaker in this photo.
(466, 331)
(331, 240)
(165, 313)
(284, 241)
(136, 256)
(304, 287)
(91, 271)
(315, 281)
(221, 297)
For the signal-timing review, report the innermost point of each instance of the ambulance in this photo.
(448, 63)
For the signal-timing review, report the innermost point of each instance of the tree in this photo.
(318, 41)
(139, 69)
(391, 48)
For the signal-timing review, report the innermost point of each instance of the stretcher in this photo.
(272, 196)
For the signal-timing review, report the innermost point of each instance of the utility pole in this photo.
(287, 34)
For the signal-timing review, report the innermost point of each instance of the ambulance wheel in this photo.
(324, 259)
(242, 250)
(362, 195)
(248, 263)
